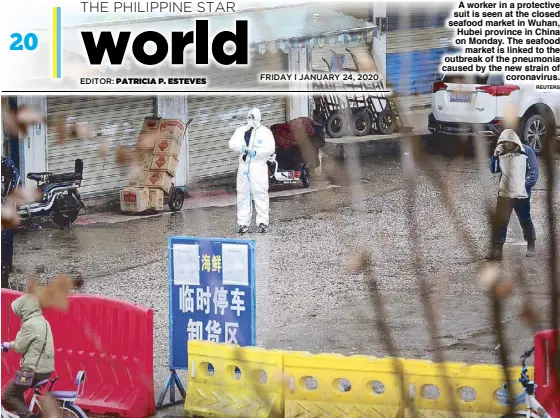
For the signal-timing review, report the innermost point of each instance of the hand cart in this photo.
(360, 113)
(175, 198)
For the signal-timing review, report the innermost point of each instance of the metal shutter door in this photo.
(217, 117)
(215, 120)
(114, 119)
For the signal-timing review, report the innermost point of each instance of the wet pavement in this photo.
(306, 300)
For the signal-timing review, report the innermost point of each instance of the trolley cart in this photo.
(331, 111)
(359, 113)
(176, 196)
(383, 111)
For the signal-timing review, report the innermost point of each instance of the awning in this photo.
(282, 28)
(345, 37)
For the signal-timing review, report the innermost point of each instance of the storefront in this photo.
(215, 117)
(114, 121)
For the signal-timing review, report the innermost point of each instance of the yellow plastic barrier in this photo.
(331, 385)
(246, 382)
(474, 388)
(303, 385)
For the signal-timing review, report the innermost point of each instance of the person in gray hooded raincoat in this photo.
(34, 342)
(519, 170)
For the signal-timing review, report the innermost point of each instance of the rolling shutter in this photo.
(114, 119)
(215, 121)
(215, 118)
(415, 45)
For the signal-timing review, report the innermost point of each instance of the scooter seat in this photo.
(38, 176)
(64, 177)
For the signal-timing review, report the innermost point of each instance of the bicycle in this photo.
(533, 408)
(67, 408)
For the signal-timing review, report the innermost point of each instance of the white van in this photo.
(477, 105)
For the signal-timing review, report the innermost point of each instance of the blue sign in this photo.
(211, 293)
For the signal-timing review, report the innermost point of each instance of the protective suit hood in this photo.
(255, 121)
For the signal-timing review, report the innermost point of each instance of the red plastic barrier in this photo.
(547, 366)
(110, 339)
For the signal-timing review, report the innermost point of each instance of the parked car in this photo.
(478, 105)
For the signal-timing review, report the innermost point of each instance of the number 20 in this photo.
(30, 42)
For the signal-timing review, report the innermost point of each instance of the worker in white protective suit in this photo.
(255, 144)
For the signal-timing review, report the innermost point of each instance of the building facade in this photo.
(115, 120)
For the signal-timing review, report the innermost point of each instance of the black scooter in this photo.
(60, 197)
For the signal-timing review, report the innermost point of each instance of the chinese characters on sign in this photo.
(212, 293)
(206, 301)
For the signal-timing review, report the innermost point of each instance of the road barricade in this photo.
(474, 387)
(228, 380)
(333, 385)
(110, 339)
(304, 385)
(547, 359)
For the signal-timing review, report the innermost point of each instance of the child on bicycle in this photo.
(35, 342)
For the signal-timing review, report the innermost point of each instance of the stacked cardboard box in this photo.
(157, 150)
(135, 199)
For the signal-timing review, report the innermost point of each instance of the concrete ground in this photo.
(306, 300)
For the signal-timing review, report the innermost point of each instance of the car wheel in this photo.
(534, 132)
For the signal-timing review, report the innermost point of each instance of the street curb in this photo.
(119, 217)
(204, 194)
(374, 146)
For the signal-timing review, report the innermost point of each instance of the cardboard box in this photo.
(138, 179)
(144, 159)
(162, 162)
(172, 128)
(156, 199)
(167, 146)
(146, 141)
(135, 199)
(151, 124)
(159, 180)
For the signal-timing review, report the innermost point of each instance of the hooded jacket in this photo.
(31, 337)
(519, 169)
